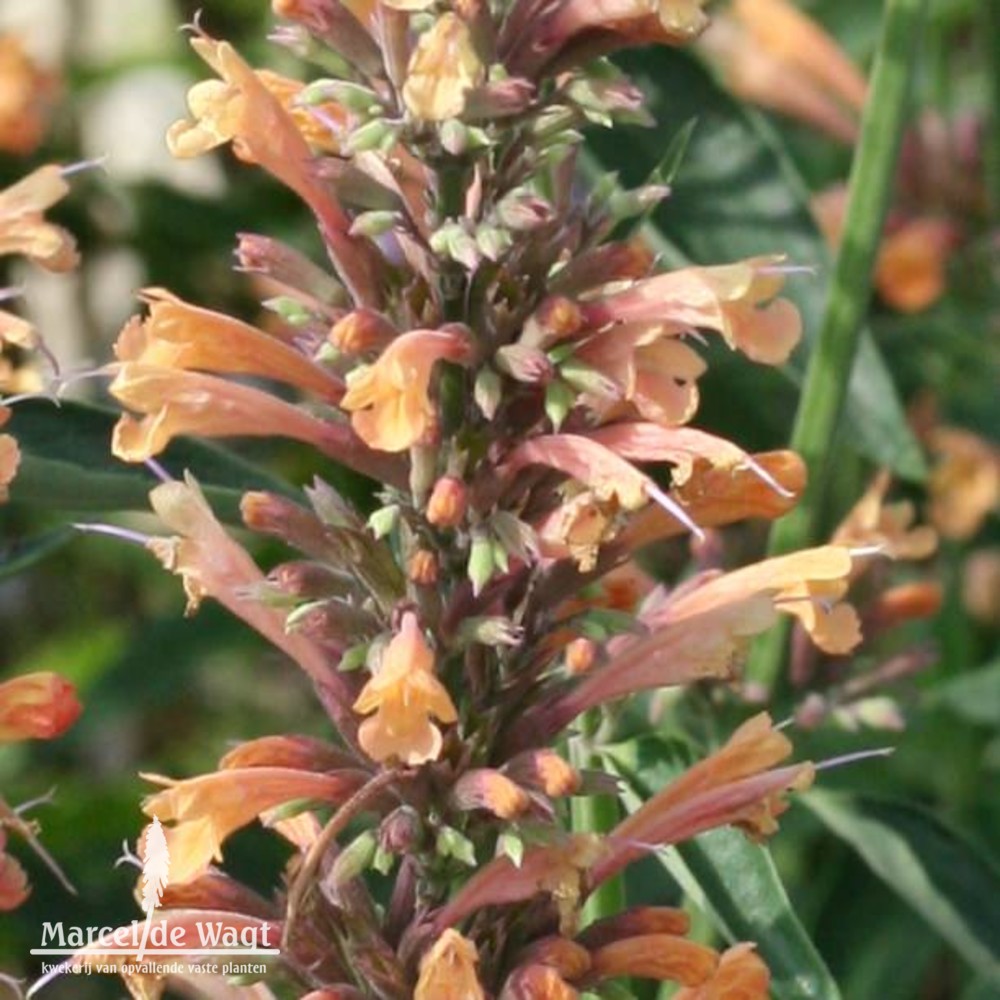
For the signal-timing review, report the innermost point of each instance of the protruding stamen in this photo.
(82, 165)
(761, 473)
(124, 534)
(673, 508)
(158, 471)
(854, 758)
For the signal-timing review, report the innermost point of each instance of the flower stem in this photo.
(832, 358)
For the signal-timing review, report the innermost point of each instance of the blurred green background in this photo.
(168, 695)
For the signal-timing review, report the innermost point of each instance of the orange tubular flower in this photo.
(739, 300)
(444, 67)
(209, 808)
(23, 229)
(965, 481)
(873, 522)
(769, 52)
(737, 785)
(212, 564)
(404, 695)
(448, 970)
(741, 975)
(182, 336)
(177, 402)
(38, 706)
(655, 956)
(27, 94)
(239, 108)
(389, 401)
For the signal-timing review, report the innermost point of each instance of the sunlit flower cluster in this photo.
(521, 388)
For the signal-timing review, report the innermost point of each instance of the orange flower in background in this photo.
(37, 706)
(23, 227)
(405, 695)
(210, 807)
(771, 53)
(965, 481)
(389, 401)
(874, 522)
(448, 970)
(444, 67)
(14, 888)
(911, 268)
(740, 975)
(654, 956)
(10, 456)
(27, 96)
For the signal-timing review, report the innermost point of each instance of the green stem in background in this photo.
(595, 814)
(991, 32)
(832, 358)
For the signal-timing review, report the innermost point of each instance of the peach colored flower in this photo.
(658, 375)
(871, 521)
(211, 564)
(807, 584)
(737, 785)
(770, 53)
(322, 126)
(405, 695)
(179, 335)
(537, 982)
(964, 483)
(740, 301)
(389, 401)
(38, 706)
(740, 975)
(444, 67)
(14, 888)
(210, 807)
(448, 970)
(176, 402)
(239, 108)
(27, 95)
(23, 227)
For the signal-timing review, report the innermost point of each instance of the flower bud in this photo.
(382, 521)
(374, 223)
(524, 364)
(493, 241)
(361, 330)
(557, 318)
(38, 706)
(500, 98)
(522, 210)
(303, 578)
(487, 392)
(422, 568)
(401, 831)
(537, 982)
(569, 959)
(627, 204)
(580, 656)
(352, 860)
(490, 631)
(352, 96)
(485, 788)
(458, 138)
(257, 254)
(290, 309)
(378, 134)
(444, 67)
(453, 241)
(481, 564)
(545, 771)
(448, 502)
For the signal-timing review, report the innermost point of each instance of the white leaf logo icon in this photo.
(155, 869)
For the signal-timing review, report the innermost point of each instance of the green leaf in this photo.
(942, 877)
(974, 696)
(66, 464)
(733, 881)
(18, 557)
(738, 194)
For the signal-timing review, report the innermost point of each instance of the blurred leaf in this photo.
(733, 881)
(738, 194)
(974, 696)
(19, 556)
(942, 877)
(67, 464)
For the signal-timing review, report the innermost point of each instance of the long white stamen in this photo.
(761, 473)
(854, 758)
(124, 534)
(673, 508)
